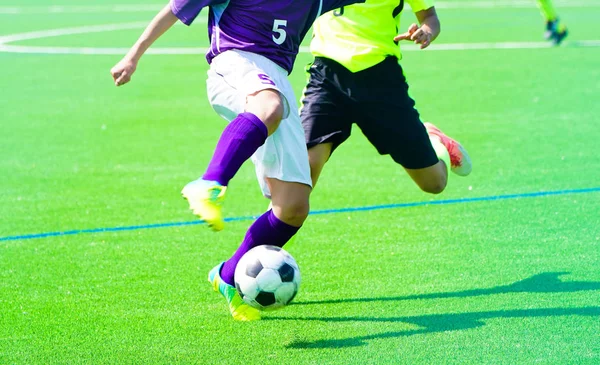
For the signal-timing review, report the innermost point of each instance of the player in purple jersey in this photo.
(253, 45)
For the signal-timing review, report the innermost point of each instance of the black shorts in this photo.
(376, 99)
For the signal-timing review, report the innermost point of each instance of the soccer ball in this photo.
(267, 277)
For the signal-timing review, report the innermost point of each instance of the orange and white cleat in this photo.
(459, 157)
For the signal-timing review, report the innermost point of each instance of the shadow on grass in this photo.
(548, 282)
(431, 323)
(542, 283)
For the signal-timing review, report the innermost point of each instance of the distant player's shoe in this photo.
(560, 36)
(459, 158)
(555, 32)
(205, 199)
(239, 310)
(550, 28)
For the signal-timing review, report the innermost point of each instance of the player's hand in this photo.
(122, 71)
(419, 35)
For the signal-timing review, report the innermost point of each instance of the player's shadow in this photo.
(548, 282)
(542, 283)
(431, 323)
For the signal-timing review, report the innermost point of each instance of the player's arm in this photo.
(123, 70)
(428, 30)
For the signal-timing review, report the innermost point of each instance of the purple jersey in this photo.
(271, 28)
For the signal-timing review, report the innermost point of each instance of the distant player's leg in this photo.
(555, 31)
(261, 112)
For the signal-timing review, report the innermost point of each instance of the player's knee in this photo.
(268, 106)
(272, 105)
(433, 186)
(295, 212)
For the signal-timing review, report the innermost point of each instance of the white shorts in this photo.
(233, 75)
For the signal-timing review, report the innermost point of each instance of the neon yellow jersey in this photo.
(360, 36)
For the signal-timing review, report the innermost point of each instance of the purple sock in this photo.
(266, 230)
(240, 139)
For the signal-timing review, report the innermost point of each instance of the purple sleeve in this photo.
(329, 5)
(188, 10)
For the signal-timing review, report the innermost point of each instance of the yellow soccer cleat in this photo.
(205, 199)
(240, 311)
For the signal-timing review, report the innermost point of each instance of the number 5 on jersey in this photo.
(279, 28)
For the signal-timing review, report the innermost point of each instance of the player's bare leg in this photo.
(432, 179)
(289, 201)
(317, 157)
(277, 225)
(452, 155)
(267, 105)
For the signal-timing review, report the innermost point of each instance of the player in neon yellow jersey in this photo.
(356, 78)
(556, 31)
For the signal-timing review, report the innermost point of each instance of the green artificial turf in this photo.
(502, 268)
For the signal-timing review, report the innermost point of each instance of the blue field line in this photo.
(316, 212)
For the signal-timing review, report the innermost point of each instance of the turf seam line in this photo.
(316, 212)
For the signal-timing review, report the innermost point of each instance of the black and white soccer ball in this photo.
(267, 277)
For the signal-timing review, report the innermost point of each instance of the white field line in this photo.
(505, 45)
(97, 51)
(203, 50)
(511, 4)
(142, 8)
(10, 10)
(80, 9)
(5, 47)
(70, 31)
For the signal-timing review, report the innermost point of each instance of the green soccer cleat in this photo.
(205, 199)
(550, 29)
(460, 160)
(240, 311)
(560, 36)
(556, 31)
